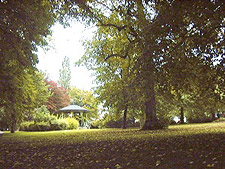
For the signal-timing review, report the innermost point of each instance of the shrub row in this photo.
(58, 124)
(199, 120)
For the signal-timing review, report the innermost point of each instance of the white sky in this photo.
(67, 42)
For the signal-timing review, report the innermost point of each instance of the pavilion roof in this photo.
(73, 108)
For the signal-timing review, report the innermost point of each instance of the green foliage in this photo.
(24, 26)
(199, 117)
(31, 126)
(72, 123)
(61, 124)
(97, 124)
(4, 121)
(85, 99)
(42, 120)
(172, 54)
(55, 124)
(26, 125)
(65, 74)
(42, 114)
(32, 92)
(112, 121)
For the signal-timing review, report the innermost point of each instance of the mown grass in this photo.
(180, 146)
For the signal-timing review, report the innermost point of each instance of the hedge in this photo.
(58, 124)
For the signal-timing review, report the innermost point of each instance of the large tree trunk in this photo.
(181, 115)
(150, 120)
(125, 118)
(13, 123)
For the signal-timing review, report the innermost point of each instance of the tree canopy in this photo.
(163, 41)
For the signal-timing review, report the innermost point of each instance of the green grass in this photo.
(180, 146)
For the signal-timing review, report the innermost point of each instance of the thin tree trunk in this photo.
(181, 115)
(125, 118)
(213, 115)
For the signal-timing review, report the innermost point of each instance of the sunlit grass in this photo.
(102, 148)
(87, 135)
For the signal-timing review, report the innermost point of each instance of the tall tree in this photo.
(24, 25)
(31, 92)
(65, 73)
(156, 31)
(114, 77)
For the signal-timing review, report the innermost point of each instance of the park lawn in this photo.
(195, 146)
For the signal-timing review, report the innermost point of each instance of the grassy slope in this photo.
(184, 146)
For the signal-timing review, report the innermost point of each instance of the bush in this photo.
(26, 125)
(54, 125)
(112, 122)
(200, 117)
(72, 123)
(58, 124)
(162, 123)
(62, 124)
(43, 126)
(98, 124)
(42, 114)
(31, 126)
(199, 120)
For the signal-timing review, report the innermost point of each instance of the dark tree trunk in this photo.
(150, 120)
(213, 115)
(125, 118)
(13, 123)
(181, 115)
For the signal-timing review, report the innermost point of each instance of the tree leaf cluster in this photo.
(85, 99)
(59, 97)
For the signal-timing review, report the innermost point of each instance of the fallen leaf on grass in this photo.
(157, 163)
(210, 165)
(118, 166)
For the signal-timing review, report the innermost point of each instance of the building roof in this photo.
(73, 108)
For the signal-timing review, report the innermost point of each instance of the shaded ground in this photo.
(185, 146)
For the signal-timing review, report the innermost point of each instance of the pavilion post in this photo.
(82, 119)
(86, 119)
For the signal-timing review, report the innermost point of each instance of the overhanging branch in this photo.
(119, 28)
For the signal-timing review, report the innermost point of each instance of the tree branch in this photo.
(116, 55)
(119, 28)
